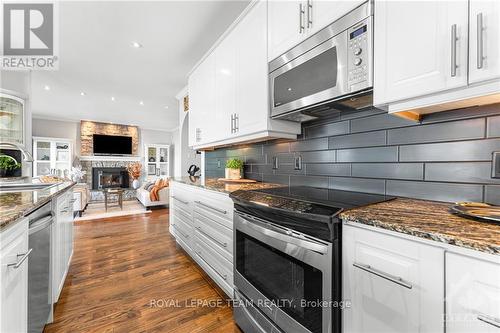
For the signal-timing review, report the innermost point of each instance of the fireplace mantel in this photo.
(111, 158)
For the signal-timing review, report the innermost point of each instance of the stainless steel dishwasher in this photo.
(39, 268)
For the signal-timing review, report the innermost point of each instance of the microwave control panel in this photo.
(360, 56)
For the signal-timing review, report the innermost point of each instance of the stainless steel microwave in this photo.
(332, 69)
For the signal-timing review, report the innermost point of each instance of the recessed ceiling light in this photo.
(83, 93)
(136, 45)
(46, 88)
(112, 98)
(166, 106)
(141, 103)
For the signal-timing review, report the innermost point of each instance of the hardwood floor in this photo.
(128, 275)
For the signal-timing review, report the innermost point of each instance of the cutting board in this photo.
(241, 181)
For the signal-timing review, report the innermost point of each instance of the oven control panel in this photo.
(360, 55)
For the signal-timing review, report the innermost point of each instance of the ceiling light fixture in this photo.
(83, 93)
(141, 103)
(166, 106)
(46, 88)
(112, 99)
(136, 45)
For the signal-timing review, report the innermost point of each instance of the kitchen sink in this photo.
(16, 187)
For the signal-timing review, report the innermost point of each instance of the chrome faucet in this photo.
(26, 154)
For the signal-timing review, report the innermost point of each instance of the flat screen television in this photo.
(112, 145)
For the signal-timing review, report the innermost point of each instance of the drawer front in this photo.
(182, 230)
(473, 295)
(218, 205)
(219, 235)
(182, 196)
(182, 215)
(221, 269)
(391, 277)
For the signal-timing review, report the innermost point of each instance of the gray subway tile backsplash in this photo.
(460, 151)
(330, 169)
(369, 139)
(445, 159)
(455, 130)
(435, 191)
(377, 154)
(411, 171)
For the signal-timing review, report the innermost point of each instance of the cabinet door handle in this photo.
(489, 320)
(23, 256)
(454, 50)
(395, 279)
(181, 201)
(301, 15)
(232, 123)
(223, 244)
(223, 276)
(479, 32)
(236, 123)
(309, 13)
(211, 207)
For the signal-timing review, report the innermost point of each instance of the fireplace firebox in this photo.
(109, 177)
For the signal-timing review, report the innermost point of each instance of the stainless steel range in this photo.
(287, 252)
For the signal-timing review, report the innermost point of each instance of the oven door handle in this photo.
(284, 237)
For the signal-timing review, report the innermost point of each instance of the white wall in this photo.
(153, 136)
(58, 129)
(19, 83)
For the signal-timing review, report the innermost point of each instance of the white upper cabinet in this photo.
(202, 96)
(286, 21)
(323, 12)
(472, 295)
(252, 113)
(420, 48)
(228, 91)
(484, 39)
(290, 22)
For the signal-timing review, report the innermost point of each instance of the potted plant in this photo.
(7, 163)
(234, 167)
(135, 170)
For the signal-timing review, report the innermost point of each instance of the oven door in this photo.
(318, 75)
(286, 275)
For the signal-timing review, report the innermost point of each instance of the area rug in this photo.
(97, 211)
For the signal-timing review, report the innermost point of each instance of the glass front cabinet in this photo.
(157, 158)
(52, 156)
(11, 119)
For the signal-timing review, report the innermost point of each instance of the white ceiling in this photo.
(96, 58)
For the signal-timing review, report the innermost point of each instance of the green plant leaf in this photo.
(234, 163)
(7, 163)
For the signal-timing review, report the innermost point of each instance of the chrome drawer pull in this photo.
(211, 207)
(454, 40)
(489, 320)
(383, 275)
(223, 244)
(181, 201)
(180, 231)
(224, 276)
(479, 55)
(20, 262)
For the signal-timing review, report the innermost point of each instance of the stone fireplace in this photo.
(106, 177)
(111, 172)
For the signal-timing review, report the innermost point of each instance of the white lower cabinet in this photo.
(14, 278)
(62, 241)
(202, 223)
(472, 295)
(393, 284)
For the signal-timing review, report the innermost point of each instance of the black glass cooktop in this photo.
(312, 210)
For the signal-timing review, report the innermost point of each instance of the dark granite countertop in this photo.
(431, 220)
(214, 185)
(15, 205)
